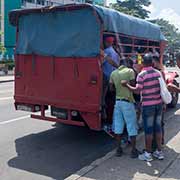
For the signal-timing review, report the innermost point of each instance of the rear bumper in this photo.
(68, 122)
(90, 113)
(91, 108)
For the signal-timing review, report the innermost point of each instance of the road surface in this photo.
(35, 150)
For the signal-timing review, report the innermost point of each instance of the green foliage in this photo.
(133, 7)
(100, 4)
(2, 49)
(170, 32)
(9, 64)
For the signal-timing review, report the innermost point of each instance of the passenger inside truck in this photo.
(110, 63)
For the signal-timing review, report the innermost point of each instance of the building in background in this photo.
(101, 2)
(8, 36)
(40, 3)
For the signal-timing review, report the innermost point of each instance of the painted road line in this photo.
(13, 120)
(20, 118)
(6, 98)
(8, 91)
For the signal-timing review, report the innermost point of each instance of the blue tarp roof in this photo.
(113, 21)
(65, 32)
(59, 34)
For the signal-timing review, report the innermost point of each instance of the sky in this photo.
(166, 9)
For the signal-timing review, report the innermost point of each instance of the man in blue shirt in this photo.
(111, 63)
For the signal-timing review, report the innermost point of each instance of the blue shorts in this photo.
(124, 113)
(152, 117)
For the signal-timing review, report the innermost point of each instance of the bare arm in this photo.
(173, 88)
(135, 89)
(131, 86)
(110, 61)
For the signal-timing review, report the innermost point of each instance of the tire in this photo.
(175, 97)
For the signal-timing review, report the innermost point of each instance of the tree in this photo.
(133, 7)
(170, 32)
(2, 49)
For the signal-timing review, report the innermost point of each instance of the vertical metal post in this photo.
(105, 3)
(42, 111)
(35, 1)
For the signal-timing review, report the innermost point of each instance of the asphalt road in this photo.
(35, 150)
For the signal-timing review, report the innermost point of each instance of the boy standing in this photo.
(124, 109)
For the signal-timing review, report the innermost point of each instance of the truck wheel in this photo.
(175, 97)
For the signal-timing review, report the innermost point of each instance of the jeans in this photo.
(152, 118)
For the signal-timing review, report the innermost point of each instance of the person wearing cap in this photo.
(110, 63)
(111, 59)
(149, 87)
(124, 109)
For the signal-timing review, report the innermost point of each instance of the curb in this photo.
(77, 175)
(92, 166)
(6, 81)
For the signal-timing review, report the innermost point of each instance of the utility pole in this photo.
(2, 20)
(35, 1)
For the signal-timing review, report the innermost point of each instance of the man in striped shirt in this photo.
(149, 87)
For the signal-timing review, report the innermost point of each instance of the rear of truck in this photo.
(58, 67)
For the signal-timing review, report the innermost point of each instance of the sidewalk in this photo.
(111, 167)
(6, 78)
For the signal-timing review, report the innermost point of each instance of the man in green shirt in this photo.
(124, 109)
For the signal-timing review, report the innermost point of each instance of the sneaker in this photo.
(145, 157)
(119, 152)
(158, 155)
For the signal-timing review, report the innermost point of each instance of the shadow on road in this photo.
(59, 152)
(62, 151)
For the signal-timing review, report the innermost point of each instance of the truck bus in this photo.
(58, 62)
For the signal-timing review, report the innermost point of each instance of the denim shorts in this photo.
(124, 113)
(152, 117)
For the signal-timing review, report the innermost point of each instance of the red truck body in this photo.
(58, 82)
